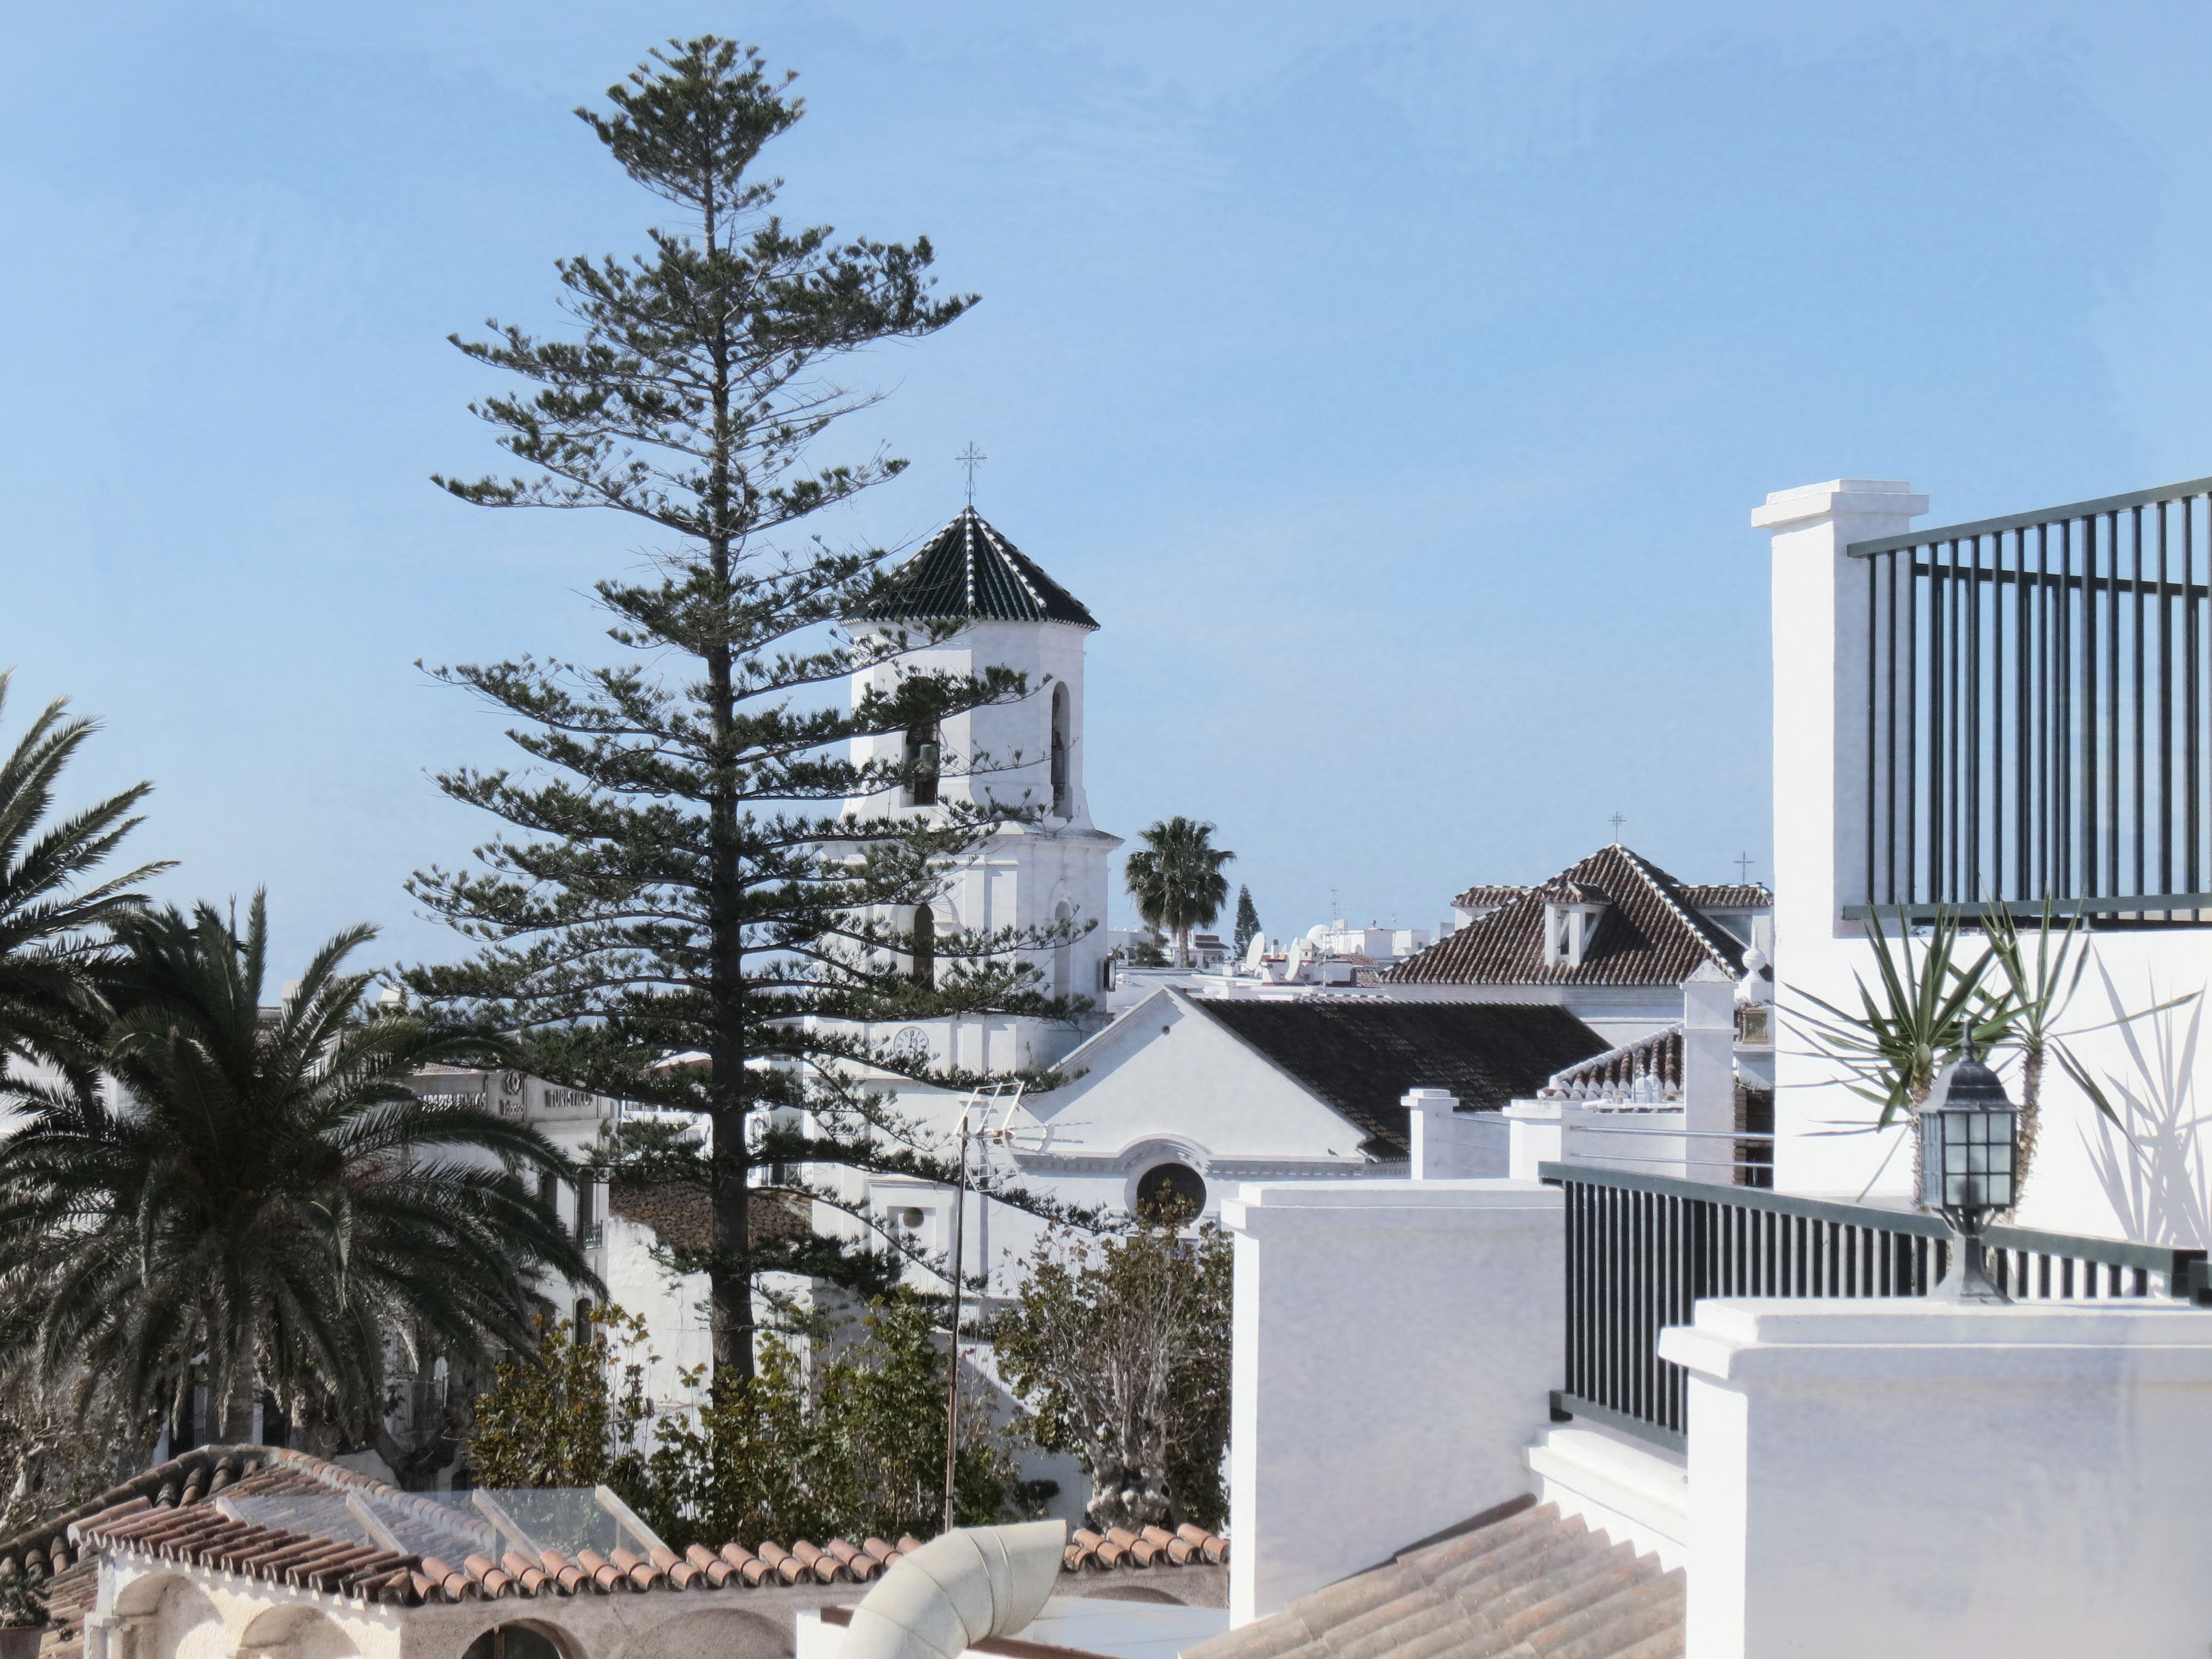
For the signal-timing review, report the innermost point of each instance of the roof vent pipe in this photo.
(957, 1589)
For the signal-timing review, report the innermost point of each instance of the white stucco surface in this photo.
(2145, 1177)
(1393, 1345)
(1910, 1480)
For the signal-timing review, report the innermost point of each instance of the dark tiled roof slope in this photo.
(1649, 934)
(1361, 1057)
(1530, 1585)
(1487, 898)
(172, 1513)
(1731, 895)
(967, 571)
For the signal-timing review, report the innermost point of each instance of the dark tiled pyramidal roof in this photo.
(969, 571)
(1524, 1585)
(1361, 1057)
(1651, 933)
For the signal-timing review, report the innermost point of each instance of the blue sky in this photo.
(1393, 379)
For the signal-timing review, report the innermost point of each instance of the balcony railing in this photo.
(2039, 698)
(1643, 1250)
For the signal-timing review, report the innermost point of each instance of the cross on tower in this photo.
(1743, 865)
(970, 458)
(1616, 821)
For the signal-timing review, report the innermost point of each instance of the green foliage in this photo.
(21, 1608)
(1929, 1003)
(846, 1444)
(678, 873)
(1248, 921)
(1176, 879)
(851, 1445)
(1926, 1002)
(63, 1445)
(1146, 953)
(1119, 1350)
(52, 939)
(257, 1199)
(570, 1410)
(2036, 991)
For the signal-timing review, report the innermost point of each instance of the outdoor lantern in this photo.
(1969, 1155)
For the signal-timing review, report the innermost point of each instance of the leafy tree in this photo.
(53, 923)
(257, 1199)
(1118, 1349)
(1248, 921)
(696, 894)
(570, 1410)
(64, 1444)
(850, 1444)
(1176, 879)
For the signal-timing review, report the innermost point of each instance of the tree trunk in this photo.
(730, 1279)
(2030, 1116)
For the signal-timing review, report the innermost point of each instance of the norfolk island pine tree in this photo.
(684, 915)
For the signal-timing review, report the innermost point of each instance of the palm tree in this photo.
(1176, 880)
(53, 941)
(258, 1193)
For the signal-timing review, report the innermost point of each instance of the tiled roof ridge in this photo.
(206, 1537)
(1490, 892)
(1727, 895)
(1661, 1051)
(166, 1513)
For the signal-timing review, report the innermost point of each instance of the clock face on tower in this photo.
(912, 1042)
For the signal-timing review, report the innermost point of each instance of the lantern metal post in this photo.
(1970, 1160)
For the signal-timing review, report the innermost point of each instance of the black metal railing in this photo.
(1644, 1250)
(2038, 693)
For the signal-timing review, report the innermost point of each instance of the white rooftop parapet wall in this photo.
(1820, 647)
(1918, 1481)
(1394, 1346)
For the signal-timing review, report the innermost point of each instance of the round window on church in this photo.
(1170, 1194)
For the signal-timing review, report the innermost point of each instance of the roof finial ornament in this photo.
(970, 458)
(1743, 863)
(1616, 821)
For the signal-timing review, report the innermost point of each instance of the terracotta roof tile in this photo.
(1655, 1061)
(1524, 1581)
(1650, 933)
(149, 1516)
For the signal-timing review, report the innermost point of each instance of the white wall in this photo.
(2149, 1183)
(1394, 1343)
(1918, 1481)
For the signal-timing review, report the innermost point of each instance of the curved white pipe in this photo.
(956, 1589)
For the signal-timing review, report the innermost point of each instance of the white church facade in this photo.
(1048, 867)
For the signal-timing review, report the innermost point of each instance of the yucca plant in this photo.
(253, 1197)
(2025, 1007)
(1923, 1007)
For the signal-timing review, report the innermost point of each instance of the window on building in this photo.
(925, 946)
(1062, 795)
(1170, 1194)
(922, 762)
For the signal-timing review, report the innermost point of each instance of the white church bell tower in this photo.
(1052, 866)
